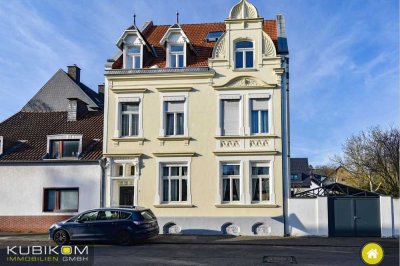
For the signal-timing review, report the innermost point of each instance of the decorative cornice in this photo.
(248, 137)
(130, 89)
(174, 154)
(244, 82)
(174, 89)
(244, 153)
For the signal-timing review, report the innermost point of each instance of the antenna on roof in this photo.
(177, 17)
(134, 18)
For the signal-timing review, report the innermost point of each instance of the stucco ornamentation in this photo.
(243, 10)
(268, 46)
(258, 143)
(245, 82)
(219, 49)
(229, 144)
(263, 230)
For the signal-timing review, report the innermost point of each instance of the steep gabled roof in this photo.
(53, 96)
(25, 134)
(299, 165)
(196, 33)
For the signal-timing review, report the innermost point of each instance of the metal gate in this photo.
(354, 216)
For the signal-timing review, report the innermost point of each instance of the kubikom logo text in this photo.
(47, 253)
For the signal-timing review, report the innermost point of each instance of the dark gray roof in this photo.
(299, 165)
(53, 96)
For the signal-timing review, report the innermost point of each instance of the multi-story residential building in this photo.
(50, 155)
(196, 124)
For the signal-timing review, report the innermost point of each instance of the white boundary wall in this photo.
(389, 212)
(21, 186)
(308, 217)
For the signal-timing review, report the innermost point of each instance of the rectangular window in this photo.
(176, 57)
(64, 149)
(294, 177)
(133, 57)
(61, 199)
(259, 116)
(230, 182)
(129, 119)
(260, 183)
(174, 118)
(230, 117)
(174, 182)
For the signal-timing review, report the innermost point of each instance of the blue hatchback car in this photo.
(122, 225)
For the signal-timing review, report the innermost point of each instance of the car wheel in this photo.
(124, 238)
(61, 237)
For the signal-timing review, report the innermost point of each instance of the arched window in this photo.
(244, 54)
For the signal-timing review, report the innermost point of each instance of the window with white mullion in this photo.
(129, 119)
(260, 179)
(174, 183)
(259, 116)
(230, 182)
(174, 118)
(133, 57)
(244, 54)
(177, 56)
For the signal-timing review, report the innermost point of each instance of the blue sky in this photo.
(344, 56)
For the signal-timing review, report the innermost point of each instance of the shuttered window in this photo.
(174, 117)
(230, 117)
(259, 116)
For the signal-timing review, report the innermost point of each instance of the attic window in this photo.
(177, 55)
(64, 146)
(133, 57)
(213, 36)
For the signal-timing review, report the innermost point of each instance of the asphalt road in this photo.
(169, 250)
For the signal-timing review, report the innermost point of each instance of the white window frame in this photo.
(178, 161)
(243, 51)
(62, 137)
(169, 53)
(230, 178)
(260, 177)
(130, 120)
(1, 145)
(127, 98)
(133, 56)
(179, 178)
(171, 97)
(229, 96)
(263, 96)
(131, 40)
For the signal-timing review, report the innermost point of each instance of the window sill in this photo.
(244, 69)
(239, 205)
(185, 139)
(174, 205)
(62, 211)
(257, 136)
(63, 159)
(129, 139)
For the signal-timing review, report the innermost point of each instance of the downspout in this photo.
(285, 143)
(102, 164)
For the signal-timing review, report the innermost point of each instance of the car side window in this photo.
(89, 216)
(124, 215)
(107, 215)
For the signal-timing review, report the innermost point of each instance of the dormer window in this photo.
(64, 149)
(64, 146)
(1, 145)
(244, 55)
(177, 55)
(133, 57)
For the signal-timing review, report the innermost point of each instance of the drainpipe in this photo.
(102, 164)
(285, 143)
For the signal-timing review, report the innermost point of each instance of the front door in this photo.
(126, 196)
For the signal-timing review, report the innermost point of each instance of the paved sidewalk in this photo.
(28, 238)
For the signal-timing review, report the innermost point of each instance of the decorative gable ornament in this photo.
(243, 10)
(247, 82)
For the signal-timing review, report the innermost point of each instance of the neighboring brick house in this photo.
(50, 155)
(196, 124)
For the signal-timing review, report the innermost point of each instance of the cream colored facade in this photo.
(138, 161)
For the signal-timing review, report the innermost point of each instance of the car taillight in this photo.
(139, 222)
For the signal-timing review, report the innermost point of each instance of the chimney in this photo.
(100, 91)
(76, 109)
(75, 73)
